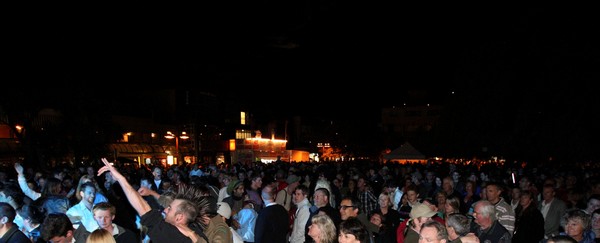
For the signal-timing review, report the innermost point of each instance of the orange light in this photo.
(231, 144)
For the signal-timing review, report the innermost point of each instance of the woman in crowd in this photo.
(451, 206)
(529, 225)
(578, 226)
(390, 217)
(322, 229)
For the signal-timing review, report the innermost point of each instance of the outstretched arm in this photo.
(135, 199)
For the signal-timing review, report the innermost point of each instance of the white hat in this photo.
(223, 209)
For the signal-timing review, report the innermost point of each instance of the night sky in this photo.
(486, 63)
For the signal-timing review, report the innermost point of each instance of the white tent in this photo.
(406, 153)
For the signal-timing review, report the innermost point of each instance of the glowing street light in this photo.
(170, 135)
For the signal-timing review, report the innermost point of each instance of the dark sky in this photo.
(342, 53)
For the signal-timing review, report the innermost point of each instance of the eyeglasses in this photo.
(343, 207)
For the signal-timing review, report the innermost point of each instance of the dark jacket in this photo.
(14, 235)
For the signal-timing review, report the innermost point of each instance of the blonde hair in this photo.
(100, 235)
(327, 227)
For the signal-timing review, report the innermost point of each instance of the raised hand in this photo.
(19, 168)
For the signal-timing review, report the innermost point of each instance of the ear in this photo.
(81, 194)
(112, 218)
(69, 233)
(4, 220)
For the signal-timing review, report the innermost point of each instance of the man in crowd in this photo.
(9, 232)
(487, 227)
(181, 220)
(272, 221)
(104, 214)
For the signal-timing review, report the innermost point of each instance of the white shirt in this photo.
(80, 214)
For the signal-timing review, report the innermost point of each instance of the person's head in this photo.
(7, 215)
(53, 186)
(255, 181)
(87, 192)
(420, 214)
(100, 235)
(352, 231)
(596, 219)
(578, 221)
(85, 179)
(433, 231)
(321, 197)
(452, 205)
(412, 194)
(300, 193)
(32, 216)
(349, 207)
(376, 219)
(57, 227)
(493, 191)
(527, 199)
(11, 193)
(484, 213)
(189, 205)
(593, 203)
(515, 193)
(157, 173)
(236, 188)
(268, 194)
(146, 182)
(548, 192)
(448, 184)
(104, 214)
(384, 200)
(322, 229)
(457, 225)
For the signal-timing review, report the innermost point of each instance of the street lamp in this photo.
(183, 136)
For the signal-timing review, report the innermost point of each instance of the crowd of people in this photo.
(281, 202)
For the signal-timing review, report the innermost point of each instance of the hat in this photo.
(292, 178)
(421, 210)
(224, 209)
(232, 186)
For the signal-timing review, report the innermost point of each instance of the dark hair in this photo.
(55, 225)
(6, 210)
(354, 227)
(32, 213)
(12, 190)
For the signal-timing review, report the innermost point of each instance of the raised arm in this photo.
(135, 199)
(23, 183)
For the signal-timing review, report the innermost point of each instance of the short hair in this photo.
(55, 225)
(32, 213)
(302, 188)
(13, 191)
(459, 222)
(581, 215)
(7, 210)
(268, 193)
(355, 202)
(86, 185)
(100, 235)
(324, 191)
(354, 227)
(487, 209)
(327, 227)
(106, 206)
(442, 234)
